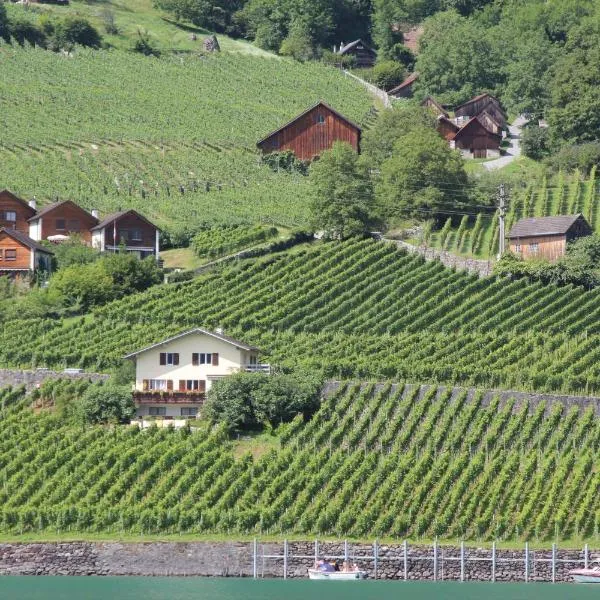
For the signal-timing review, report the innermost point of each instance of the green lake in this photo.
(174, 588)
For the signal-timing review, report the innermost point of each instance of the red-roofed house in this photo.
(405, 89)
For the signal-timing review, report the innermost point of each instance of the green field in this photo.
(359, 309)
(173, 137)
(375, 461)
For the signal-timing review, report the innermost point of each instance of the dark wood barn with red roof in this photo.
(312, 132)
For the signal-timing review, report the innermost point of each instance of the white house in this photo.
(173, 376)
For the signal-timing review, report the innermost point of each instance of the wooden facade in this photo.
(546, 237)
(20, 254)
(490, 122)
(62, 219)
(14, 212)
(480, 104)
(475, 141)
(446, 128)
(405, 89)
(431, 103)
(311, 133)
(364, 55)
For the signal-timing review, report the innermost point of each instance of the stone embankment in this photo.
(33, 378)
(238, 560)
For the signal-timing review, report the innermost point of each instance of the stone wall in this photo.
(31, 379)
(231, 559)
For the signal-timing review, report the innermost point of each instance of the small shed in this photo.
(405, 89)
(364, 55)
(312, 132)
(546, 237)
(475, 141)
(431, 103)
(447, 128)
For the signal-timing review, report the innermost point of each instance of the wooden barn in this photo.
(312, 132)
(405, 89)
(476, 141)
(20, 255)
(482, 103)
(546, 237)
(431, 103)
(364, 55)
(490, 123)
(447, 128)
(14, 212)
(60, 220)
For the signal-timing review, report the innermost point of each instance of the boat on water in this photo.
(326, 571)
(589, 575)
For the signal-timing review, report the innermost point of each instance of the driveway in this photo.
(514, 149)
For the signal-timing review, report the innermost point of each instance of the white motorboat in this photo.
(336, 575)
(589, 575)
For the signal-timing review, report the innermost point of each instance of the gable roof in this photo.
(485, 113)
(114, 216)
(20, 200)
(25, 240)
(444, 119)
(556, 225)
(473, 122)
(481, 97)
(214, 334)
(307, 111)
(353, 45)
(430, 100)
(407, 82)
(54, 205)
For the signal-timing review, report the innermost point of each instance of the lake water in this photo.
(173, 588)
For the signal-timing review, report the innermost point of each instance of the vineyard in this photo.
(219, 241)
(358, 309)
(478, 236)
(386, 461)
(172, 137)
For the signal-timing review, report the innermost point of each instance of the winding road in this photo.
(514, 149)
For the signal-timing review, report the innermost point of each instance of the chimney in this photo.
(33, 203)
(95, 213)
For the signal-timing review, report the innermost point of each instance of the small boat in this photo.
(336, 575)
(589, 575)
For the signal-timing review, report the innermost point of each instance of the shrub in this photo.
(74, 30)
(403, 55)
(106, 404)
(580, 156)
(144, 45)
(535, 142)
(388, 74)
(23, 31)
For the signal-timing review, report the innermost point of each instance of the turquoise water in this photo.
(162, 588)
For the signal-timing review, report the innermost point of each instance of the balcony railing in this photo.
(168, 397)
(258, 369)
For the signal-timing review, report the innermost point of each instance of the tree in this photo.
(342, 202)
(388, 74)
(74, 252)
(106, 403)
(4, 23)
(422, 177)
(74, 30)
(215, 15)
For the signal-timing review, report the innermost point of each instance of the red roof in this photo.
(407, 82)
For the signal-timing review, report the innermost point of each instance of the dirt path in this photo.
(514, 149)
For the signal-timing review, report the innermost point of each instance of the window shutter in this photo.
(163, 358)
(176, 358)
(182, 385)
(202, 387)
(145, 385)
(195, 359)
(170, 385)
(215, 359)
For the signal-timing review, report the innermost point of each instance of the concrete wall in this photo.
(237, 559)
(31, 379)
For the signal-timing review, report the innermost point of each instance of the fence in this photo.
(373, 89)
(435, 562)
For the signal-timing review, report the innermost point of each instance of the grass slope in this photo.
(174, 137)
(374, 461)
(359, 309)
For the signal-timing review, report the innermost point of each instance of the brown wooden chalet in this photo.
(60, 220)
(546, 237)
(482, 103)
(405, 89)
(20, 255)
(15, 212)
(312, 132)
(129, 230)
(364, 55)
(447, 128)
(490, 122)
(476, 141)
(431, 103)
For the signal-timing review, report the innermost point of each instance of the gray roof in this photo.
(51, 207)
(114, 216)
(353, 44)
(25, 240)
(543, 226)
(218, 336)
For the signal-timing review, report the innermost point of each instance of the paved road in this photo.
(514, 149)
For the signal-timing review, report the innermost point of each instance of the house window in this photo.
(1, 254)
(205, 358)
(157, 411)
(157, 384)
(169, 358)
(61, 225)
(8, 215)
(192, 385)
(136, 235)
(124, 235)
(534, 248)
(320, 119)
(74, 225)
(517, 247)
(189, 411)
(10, 254)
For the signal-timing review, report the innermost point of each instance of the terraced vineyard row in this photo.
(479, 236)
(358, 309)
(374, 461)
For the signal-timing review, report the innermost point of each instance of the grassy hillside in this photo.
(359, 309)
(386, 462)
(174, 137)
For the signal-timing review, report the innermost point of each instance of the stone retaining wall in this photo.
(31, 379)
(237, 560)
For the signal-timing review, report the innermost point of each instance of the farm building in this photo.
(482, 103)
(431, 103)
(20, 255)
(490, 123)
(173, 376)
(364, 55)
(14, 212)
(476, 141)
(447, 128)
(127, 229)
(58, 221)
(312, 132)
(546, 237)
(405, 89)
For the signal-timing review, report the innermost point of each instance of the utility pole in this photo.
(501, 216)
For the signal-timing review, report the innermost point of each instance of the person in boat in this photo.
(324, 566)
(336, 566)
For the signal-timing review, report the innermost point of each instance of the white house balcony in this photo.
(168, 397)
